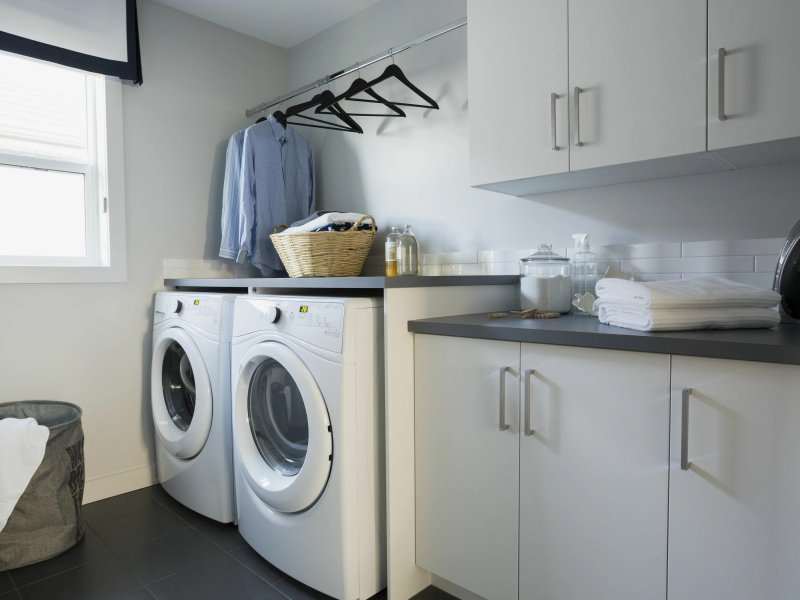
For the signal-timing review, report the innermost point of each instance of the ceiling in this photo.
(275, 21)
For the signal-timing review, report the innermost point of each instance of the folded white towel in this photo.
(684, 319)
(684, 293)
(322, 220)
(22, 446)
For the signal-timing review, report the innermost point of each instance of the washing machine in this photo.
(191, 402)
(307, 391)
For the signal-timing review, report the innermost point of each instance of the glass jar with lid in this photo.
(545, 281)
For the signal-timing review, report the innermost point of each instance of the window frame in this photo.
(107, 249)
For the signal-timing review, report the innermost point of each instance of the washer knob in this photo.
(174, 306)
(273, 314)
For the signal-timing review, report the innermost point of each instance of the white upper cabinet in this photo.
(734, 491)
(517, 89)
(640, 66)
(760, 47)
(636, 67)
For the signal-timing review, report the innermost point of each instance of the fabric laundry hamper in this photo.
(47, 519)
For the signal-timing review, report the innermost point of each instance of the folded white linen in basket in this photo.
(700, 292)
(684, 319)
(323, 220)
(22, 446)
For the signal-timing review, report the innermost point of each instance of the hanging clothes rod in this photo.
(356, 66)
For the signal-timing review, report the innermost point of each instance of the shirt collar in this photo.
(278, 130)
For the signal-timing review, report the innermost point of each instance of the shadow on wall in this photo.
(147, 429)
(213, 228)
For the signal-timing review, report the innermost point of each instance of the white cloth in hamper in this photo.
(22, 446)
(684, 319)
(700, 292)
(322, 220)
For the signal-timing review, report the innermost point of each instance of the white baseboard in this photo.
(118, 483)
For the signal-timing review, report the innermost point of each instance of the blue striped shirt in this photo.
(230, 243)
(277, 188)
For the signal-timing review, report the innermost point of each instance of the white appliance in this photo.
(190, 394)
(307, 390)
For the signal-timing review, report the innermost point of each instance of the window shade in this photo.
(101, 36)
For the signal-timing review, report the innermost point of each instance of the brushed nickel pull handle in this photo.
(721, 54)
(528, 374)
(685, 395)
(553, 98)
(503, 424)
(578, 141)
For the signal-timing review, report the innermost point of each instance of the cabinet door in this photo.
(761, 86)
(734, 526)
(517, 59)
(641, 67)
(593, 474)
(467, 467)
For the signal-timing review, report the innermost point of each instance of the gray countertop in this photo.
(780, 345)
(342, 283)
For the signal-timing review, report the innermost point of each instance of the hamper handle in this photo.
(358, 223)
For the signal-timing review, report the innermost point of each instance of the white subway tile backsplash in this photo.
(706, 264)
(450, 258)
(501, 268)
(766, 263)
(503, 256)
(619, 251)
(604, 265)
(733, 247)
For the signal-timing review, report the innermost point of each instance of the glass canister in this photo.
(545, 281)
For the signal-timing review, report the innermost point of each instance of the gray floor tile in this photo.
(168, 555)
(101, 580)
(88, 550)
(12, 595)
(6, 585)
(297, 591)
(148, 524)
(140, 594)
(253, 561)
(219, 577)
(433, 593)
(118, 506)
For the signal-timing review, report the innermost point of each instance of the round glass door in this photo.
(278, 419)
(177, 379)
(281, 431)
(181, 393)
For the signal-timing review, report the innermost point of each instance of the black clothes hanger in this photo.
(394, 71)
(358, 86)
(260, 120)
(328, 98)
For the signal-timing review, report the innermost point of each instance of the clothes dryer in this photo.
(190, 395)
(308, 438)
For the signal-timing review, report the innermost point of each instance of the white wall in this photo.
(416, 169)
(90, 344)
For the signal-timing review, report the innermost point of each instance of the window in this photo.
(55, 203)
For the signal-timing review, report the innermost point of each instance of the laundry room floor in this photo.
(144, 546)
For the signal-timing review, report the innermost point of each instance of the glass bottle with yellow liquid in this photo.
(392, 249)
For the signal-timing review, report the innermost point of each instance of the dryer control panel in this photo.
(316, 322)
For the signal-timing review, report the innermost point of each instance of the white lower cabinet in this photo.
(734, 502)
(541, 471)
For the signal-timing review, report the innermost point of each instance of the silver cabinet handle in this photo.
(553, 98)
(528, 374)
(721, 53)
(578, 141)
(685, 395)
(503, 424)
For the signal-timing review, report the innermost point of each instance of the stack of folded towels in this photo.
(701, 303)
(326, 221)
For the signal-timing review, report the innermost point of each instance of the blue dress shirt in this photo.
(229, 246)
(277, 188)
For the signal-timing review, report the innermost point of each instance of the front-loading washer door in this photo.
(181, 394)
(282, 429)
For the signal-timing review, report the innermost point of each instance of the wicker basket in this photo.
(326, 253)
